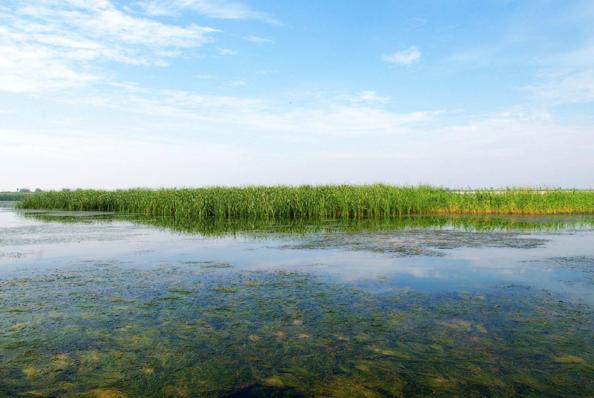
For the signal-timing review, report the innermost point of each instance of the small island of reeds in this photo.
(315, 202)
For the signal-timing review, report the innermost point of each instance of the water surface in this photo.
(99, 305)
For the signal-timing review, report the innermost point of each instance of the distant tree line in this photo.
(27, 190)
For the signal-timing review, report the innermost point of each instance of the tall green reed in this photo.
(314, 202)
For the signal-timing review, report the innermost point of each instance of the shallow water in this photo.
(98, 305)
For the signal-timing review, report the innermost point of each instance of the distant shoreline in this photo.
(13, 196)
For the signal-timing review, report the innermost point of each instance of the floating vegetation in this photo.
(208, 264)
(185, 331)
(415, 242)
(313, 202)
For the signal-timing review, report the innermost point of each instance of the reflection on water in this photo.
(255, 228)
(96, 305)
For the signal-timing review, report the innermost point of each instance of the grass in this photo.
(314, 202)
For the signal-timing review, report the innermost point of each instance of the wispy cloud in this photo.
(325, 117)
(258, 39)
(371, 97)
(64, 45)
(567, 77)
(204, 76)
(52, 44)
(404, 57)
(237, 83)
(506, 148)
(566, 87)
(227, 51)
(53, 157)
(221, 9)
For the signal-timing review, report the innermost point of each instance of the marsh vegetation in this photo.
(314, 202)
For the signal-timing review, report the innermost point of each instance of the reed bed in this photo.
(314, 202)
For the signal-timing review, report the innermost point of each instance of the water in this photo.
(98, 305)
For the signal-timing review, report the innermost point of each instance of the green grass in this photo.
(314, 202)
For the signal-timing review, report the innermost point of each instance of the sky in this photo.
(170, 93)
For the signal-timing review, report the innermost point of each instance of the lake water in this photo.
(99, 305)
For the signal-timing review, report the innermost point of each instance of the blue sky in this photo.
(106, 93)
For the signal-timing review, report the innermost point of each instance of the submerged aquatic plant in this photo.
(314, 202)
(183, 331)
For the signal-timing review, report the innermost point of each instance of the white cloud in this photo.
(237, 83)
(53, 44)
(222, 9)
(96, 160)
(330, 117)
(404, 57)
(353, 137)
(508, 148)
(371, 97)
(258, 39)
(29, 68)
(349, 121)
(566, 78)
(329, 140)
(566, 88)
(227, 51)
